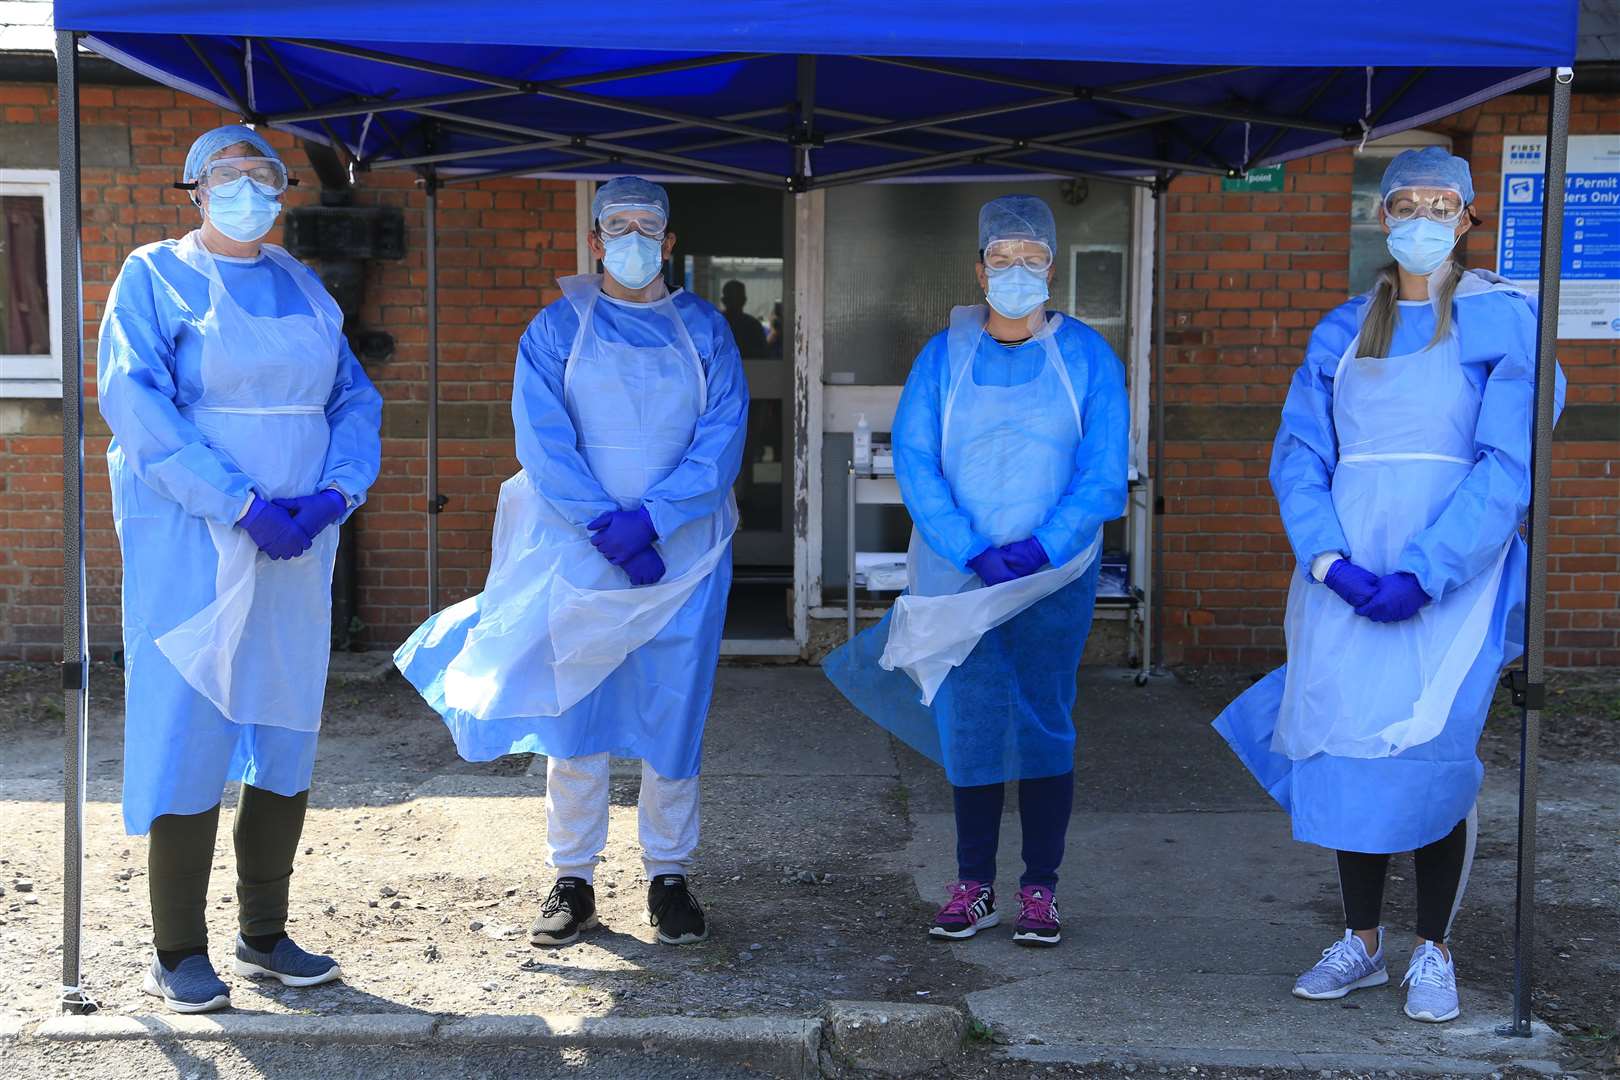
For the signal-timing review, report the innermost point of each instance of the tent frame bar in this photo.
(362, 106)
(1527, 681)
(75, 632)
(541, 89)
(1114, 97)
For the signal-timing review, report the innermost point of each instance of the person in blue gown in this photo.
(1402, 471)
(243, 432)
(598, 630)
(1011, 444)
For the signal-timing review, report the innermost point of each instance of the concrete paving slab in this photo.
(1197, 866)
(781, 721)
(1253, 1016)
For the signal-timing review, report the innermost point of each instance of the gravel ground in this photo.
(415, 887)
(421, 873)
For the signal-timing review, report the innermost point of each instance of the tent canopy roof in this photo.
(796, 95)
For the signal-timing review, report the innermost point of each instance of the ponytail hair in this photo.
(1378, 325)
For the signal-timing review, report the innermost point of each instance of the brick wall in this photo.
(502, 245)
(1251, 274)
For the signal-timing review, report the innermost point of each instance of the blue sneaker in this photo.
(1345, 966)
(1432, 977)
(192, 987)
(287, 963)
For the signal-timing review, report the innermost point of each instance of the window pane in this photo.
(900, 256)
(25, 318)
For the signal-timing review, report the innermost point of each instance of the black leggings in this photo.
(1442, 874)
(181, 854)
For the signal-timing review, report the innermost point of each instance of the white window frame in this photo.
(39, 376)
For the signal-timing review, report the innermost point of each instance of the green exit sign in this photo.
(1265, 178)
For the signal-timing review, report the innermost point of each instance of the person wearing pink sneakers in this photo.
(1011, 449)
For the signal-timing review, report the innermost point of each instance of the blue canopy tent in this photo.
(796, 96)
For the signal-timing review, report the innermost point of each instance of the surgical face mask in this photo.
(633, 259)
(1421, 245)
(1015, 291)
(243, 211)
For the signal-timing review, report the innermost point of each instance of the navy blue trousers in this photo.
(1043, 810)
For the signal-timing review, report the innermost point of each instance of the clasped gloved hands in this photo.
(1397, 598)
(1024, 557)
(274, 530)
(1392, 598)
(313, 513)
(625, 539)
(1353, 584)
(1009, 562)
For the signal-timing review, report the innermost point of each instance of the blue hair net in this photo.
(210, 143)
(630, 191)
(1017, 217)
(1430, 167)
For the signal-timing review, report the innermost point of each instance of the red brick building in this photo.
(1249, 275)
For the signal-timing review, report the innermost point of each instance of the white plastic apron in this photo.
(259, 651)
(552, 601)
(1356, 688)
(1008, 455)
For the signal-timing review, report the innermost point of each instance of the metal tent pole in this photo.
(75, 675)
(1529, 689)
(436, 501)
(1161, 246)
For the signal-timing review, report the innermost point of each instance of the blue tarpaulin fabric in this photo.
(1057, 86)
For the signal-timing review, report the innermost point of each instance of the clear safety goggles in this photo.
(621, 221)
(1030, 254)
(226, 176)
(1436, 204)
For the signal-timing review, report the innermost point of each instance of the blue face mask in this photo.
(1421, 245)
(242, 210)
(1016, 291)
(633, 260)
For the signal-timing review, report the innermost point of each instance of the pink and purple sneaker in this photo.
(971, 908)
(1037, 923)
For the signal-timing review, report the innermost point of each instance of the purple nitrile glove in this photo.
(1398, 597)
(315, 512)
(991, 566)
(1024, 557)
(622, 534)
(1354, 585)
(644, 567)
(274, 530)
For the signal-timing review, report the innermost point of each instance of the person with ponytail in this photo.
(1402, 473)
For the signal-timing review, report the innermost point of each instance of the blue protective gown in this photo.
(653, 705)
(1417, 796)
(1005, 713)
(167, 483)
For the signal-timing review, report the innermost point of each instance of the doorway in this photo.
(732, 249)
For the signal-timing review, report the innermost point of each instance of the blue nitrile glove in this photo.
(644, 567)
(991, 566)
(1354, 585)
(1024, 557)
(622, 534)
(315, 512)
(274, 530)
(1398, 597)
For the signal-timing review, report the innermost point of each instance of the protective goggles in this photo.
(617, 221)
(1436, 204)
(1030, 254)
(227, 175)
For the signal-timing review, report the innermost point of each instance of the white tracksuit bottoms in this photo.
(577, 817)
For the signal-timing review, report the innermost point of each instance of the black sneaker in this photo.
(673, 911)
(569, 908)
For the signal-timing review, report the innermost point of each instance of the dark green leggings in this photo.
(181, 853)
